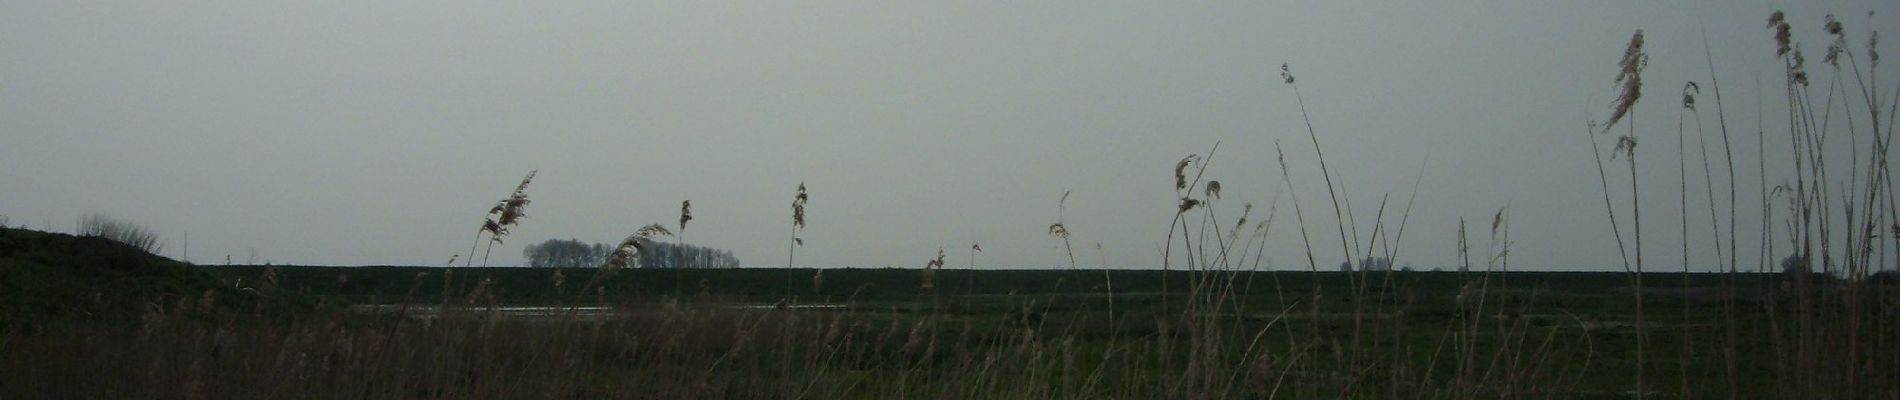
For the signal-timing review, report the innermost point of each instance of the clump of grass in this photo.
(119, 230)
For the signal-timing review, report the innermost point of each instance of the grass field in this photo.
(1579, 323)
(872, 333)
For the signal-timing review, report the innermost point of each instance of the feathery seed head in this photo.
(1798, 72)
(1213, 189)
(1629, 78)
(652, 230)
(1180, 171)
(798, 207)
(623, 254)
(508, 212)
(1058, 230)
(520, 190)
(1873, 51)
(1625, 145)
(1188, 204)
(1784, 36)
(513, 210)
(686, 213)
(1496, 220)
(1286, 73)
(493, 228)
(1838, 46)
(1688, 95)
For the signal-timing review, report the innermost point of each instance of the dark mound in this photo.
(49, 277)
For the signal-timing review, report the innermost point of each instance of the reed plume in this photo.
(686, 214)
(1839, 45)
(1784, 35)
(1630, 79)
(506, 213)
(679, 273)
(930, 271)
(623, 255)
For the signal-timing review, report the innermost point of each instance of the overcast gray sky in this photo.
(351, 133)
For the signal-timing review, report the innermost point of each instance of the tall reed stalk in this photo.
(798, 224)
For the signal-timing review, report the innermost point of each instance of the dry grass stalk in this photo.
(798, 224)
(1630, 79)
(1339, 215)
(1061, 230)
(969, 285)
(1730, 348)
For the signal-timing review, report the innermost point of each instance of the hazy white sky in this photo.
(379, 132)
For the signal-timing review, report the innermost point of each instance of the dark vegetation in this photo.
(886, 337)
(50, 278)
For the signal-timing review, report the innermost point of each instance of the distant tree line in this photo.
(570, 253)
(1368, 264)
(573, 253)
